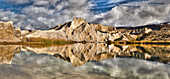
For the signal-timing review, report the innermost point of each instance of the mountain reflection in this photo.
(79, 54)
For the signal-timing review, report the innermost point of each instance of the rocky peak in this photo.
(79, 30)
(77, 22)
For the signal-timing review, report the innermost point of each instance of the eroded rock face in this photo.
(79, 30)
(7, 32)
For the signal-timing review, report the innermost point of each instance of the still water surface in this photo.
(84, 61)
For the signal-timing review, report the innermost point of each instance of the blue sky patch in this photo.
(102, 6)
(6, 6)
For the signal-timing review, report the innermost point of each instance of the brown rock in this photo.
(7, 32)
(163, 34)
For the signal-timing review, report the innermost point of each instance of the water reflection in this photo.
(7, 52)
(91, 61)
(79, 54)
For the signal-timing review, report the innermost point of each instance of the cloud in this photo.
(116, 68)
(41, 3)
(129, 67)
(18, 1)
(131, 16)
(44, 14)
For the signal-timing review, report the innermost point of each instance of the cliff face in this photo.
(7, 32)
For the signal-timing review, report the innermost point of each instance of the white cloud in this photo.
(41, 3)
(43, 14)
(34, 11)
(129, 67)
(131, 16)
(77, 2)
(18, 1)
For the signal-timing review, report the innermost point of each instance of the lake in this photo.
(85, 61)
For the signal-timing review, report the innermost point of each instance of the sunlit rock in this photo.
(79, 30)
(147, 30)
(77, 22)
(17, 32)
(7, 32)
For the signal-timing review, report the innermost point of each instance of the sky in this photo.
(45, 14)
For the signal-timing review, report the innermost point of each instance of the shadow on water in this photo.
(97, 60)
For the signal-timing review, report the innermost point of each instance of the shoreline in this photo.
(136, 43)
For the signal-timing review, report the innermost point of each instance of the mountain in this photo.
(79, 30)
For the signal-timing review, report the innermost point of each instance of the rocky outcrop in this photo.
(8, 33)
(79, 30)
(156, 32)
(162, 34)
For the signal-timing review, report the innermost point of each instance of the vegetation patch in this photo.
(49, 41)
(143, 36)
